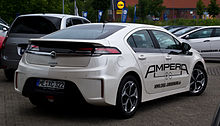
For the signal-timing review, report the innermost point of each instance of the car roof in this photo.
(131, 25)
(51, 15)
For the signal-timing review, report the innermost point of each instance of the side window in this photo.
(68, 22)
(217, 32)
(131, 42)
(141, 39)
(165, 40)
(76, 21)
(204, 33)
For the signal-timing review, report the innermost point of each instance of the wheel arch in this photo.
(136, 75)
(199, 63)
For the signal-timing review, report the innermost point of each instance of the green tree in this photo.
(143, 8)
(92, 14)
(156, 8)
(101, 5)
(200, 8)
(150, 7)
(131, 12)
(213, 8)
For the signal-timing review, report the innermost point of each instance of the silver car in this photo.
(31, 26)
(206, 40)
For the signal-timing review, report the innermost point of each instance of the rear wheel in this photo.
(128, 97)
(9, 74)
(198, 81)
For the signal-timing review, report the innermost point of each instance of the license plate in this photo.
(50, 84)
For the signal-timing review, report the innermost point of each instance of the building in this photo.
(183, 8)
(178, 8)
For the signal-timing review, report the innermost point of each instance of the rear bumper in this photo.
(96, 85)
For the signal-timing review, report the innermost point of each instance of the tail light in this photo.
(99, 50)
(3, 43)
(34, 48)
(16, 80)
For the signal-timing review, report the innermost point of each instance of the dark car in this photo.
(31, 26)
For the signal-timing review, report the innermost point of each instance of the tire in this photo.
(128, 97)
(198, 81)
(9, 74)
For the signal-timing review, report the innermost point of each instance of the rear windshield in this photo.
(36, 25)
(90, 31)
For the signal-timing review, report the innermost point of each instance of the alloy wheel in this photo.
(129, 97)
(197, 82)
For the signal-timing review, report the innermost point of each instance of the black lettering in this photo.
(178, 65)
(166, 66)
(151, 69)
(159, 68)
(172, 66)
(184, 68)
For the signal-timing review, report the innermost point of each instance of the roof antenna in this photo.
(103, 26)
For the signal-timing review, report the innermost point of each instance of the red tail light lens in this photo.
(34, 48)
(106, 50)
(98, 50)
(4, 41)
(1, 41)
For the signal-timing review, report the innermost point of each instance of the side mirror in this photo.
(5, 29)
(185, 47)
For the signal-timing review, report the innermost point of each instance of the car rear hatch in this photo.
(16, 45)
(24, 28)
(64, 53)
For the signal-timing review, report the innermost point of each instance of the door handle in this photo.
(141, 57)
(168, 58)
(206, 41)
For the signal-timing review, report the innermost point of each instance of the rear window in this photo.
(36, 25)
(90, 31)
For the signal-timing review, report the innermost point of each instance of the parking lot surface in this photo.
(176, 110)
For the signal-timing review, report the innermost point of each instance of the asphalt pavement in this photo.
(175, 110)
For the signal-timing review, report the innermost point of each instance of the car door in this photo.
(215, 44)
(149, 59)
(176, 63)
(200, 40)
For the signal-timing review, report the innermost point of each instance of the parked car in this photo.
(117, 64)
(3, 31)
(31, 26)
(206, 40)
(185, 30)
(170, 27)
(172, 30)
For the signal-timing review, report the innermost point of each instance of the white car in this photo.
(206, 40)
(112, 64)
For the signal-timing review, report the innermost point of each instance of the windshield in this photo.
(185, 30)
(36, 25)
(89, 31)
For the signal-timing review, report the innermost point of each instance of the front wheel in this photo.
(198, 81)
(128, 97)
